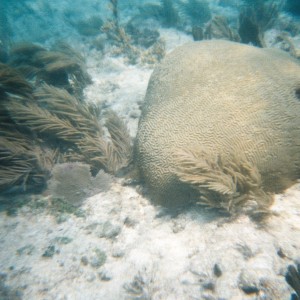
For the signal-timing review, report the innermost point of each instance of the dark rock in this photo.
(217, 270)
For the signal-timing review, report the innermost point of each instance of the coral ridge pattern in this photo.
(220, 126)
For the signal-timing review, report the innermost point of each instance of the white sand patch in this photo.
(174, 38)
(174, 256)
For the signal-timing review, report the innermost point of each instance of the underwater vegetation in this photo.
(137, 45)
(195, 17)
(42, 124)
(164, 12)
(292, 277)
(60, 66)
(22, 162)
(207, 142)
(218, 28)
(90, 26)
(74, 182)
(196, 11)
(255, 18)
(142, 286)
(168, 13)
(175, 13)
(112, 31)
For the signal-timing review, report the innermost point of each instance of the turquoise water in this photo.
(41, 21)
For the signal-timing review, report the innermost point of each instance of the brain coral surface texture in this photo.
(220, 125)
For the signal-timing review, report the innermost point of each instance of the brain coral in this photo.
(220, 125)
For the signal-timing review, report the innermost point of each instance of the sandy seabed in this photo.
(125, 248)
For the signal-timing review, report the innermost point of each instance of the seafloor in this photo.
(117, 244)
